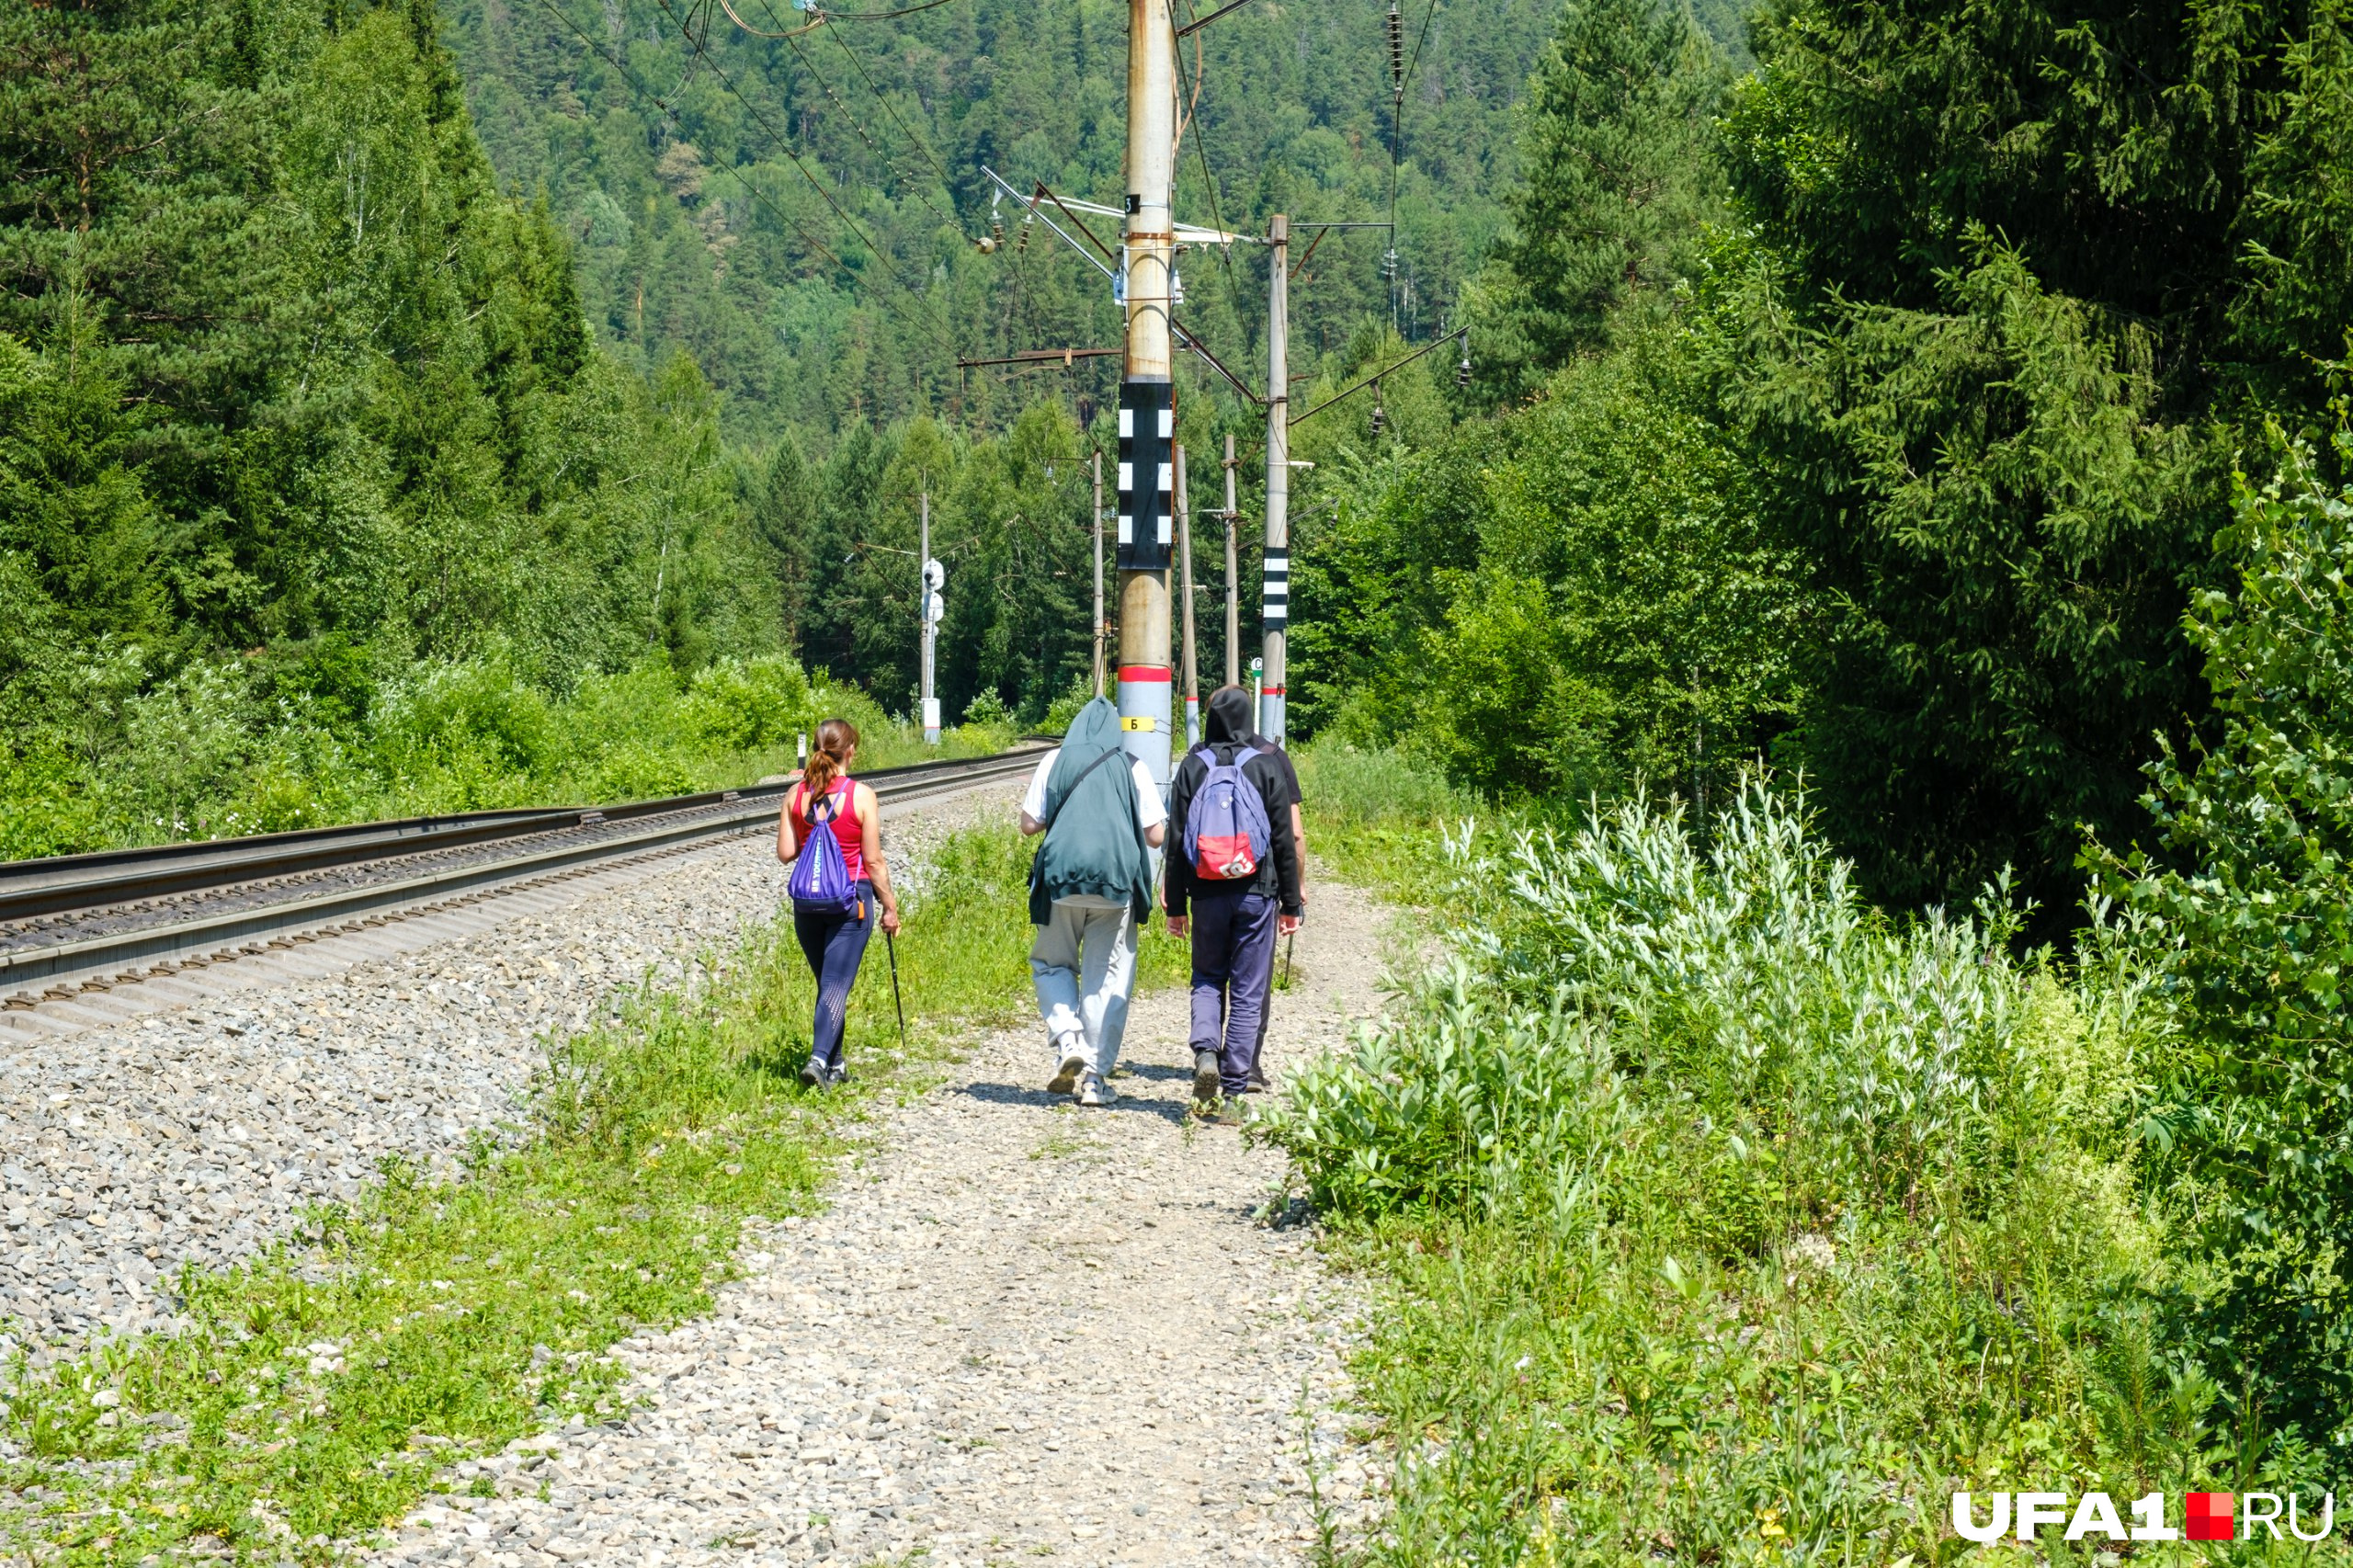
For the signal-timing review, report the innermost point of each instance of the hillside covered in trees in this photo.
(387, 392)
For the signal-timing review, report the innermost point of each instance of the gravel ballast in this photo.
(199, 1133)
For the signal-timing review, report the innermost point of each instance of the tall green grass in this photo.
(318, 1390)
(1378, 817)
(1727, 1220)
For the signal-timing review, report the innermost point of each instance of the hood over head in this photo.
(1228, 717)
(1093, 731)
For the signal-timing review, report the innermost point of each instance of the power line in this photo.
(754, 192)
(672, 116)
(818, 18)
(784, 145)
(810, 66)
(1397, 131)
(1201, 153)
(947, 181)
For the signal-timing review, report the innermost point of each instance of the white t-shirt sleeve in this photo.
(1151, 810)
(1033, 804)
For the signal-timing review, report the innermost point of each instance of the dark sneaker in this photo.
(836, 1076)
(815, 1075)
(1205, 1077)
(1065, 1077)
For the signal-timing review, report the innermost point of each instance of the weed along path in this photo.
(1019, 1329)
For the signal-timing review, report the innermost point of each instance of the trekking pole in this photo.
(891, 946)
(1290, 942)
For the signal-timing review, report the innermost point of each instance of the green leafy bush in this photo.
(747, 704)
(1732, 1222)
(2249, 896)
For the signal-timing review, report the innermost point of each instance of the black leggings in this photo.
(834, 944)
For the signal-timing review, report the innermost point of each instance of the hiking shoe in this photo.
(815, 1074)
(1065, 1076)
(1092, 1090)
(836, 1076)
(1205, 1077)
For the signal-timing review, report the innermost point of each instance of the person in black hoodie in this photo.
(1233, 924)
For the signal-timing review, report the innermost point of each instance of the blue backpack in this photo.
(1226, 832)
(820, 882)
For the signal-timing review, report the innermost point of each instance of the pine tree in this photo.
(2015, 325)
(1620, 174)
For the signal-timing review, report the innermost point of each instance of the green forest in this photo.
(1876, 578)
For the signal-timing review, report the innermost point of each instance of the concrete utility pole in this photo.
(1147, 406)
(1274, 609)
(1102, 628)
(1232, 589)
(1185, 558)
(927, 606)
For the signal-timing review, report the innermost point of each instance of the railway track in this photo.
(76, 924)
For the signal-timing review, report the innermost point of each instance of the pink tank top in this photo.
(843, 821)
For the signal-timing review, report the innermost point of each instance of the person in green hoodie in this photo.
(1090, 890)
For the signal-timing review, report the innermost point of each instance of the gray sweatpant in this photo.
(1083, 963)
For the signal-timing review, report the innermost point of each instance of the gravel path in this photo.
(199, 1131)
(1023, 1330)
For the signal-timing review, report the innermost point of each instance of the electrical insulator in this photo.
(1396, 46)
(1462, 371)
(1022, 243)
(996, 229)
(1380, 414)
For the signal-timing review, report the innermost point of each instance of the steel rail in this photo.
(672, 825)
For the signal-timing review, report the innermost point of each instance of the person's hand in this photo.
(1178, 925)
(891, 920)
(1289, 924)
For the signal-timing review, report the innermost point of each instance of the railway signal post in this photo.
(1275, 594)
(930, 606)
(1147, 411)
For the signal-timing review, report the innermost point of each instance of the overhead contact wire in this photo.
(871, 145)
(784, 145)
(808, 237)
(947, 181)
(1200, 154)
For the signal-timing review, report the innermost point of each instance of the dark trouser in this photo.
(1233, 964)
(834, 944)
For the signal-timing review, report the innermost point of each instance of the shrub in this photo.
(2250, 897)
(473, 717)
(1878, 1066)
(1063, 709)
(186, 742)
(746, 704)
(1734, 1223)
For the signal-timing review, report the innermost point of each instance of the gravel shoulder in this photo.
(1022, 1329)
(198, 1132)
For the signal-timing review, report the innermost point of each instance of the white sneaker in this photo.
(1092, 1090)
(1065, 1077)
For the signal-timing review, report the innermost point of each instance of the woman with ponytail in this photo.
(833, 933)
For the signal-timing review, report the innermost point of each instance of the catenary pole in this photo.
(1274, 611)
(1101, 629)
(1185, 563)
(1232, 589)
(924, 587)
(1147, 405)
